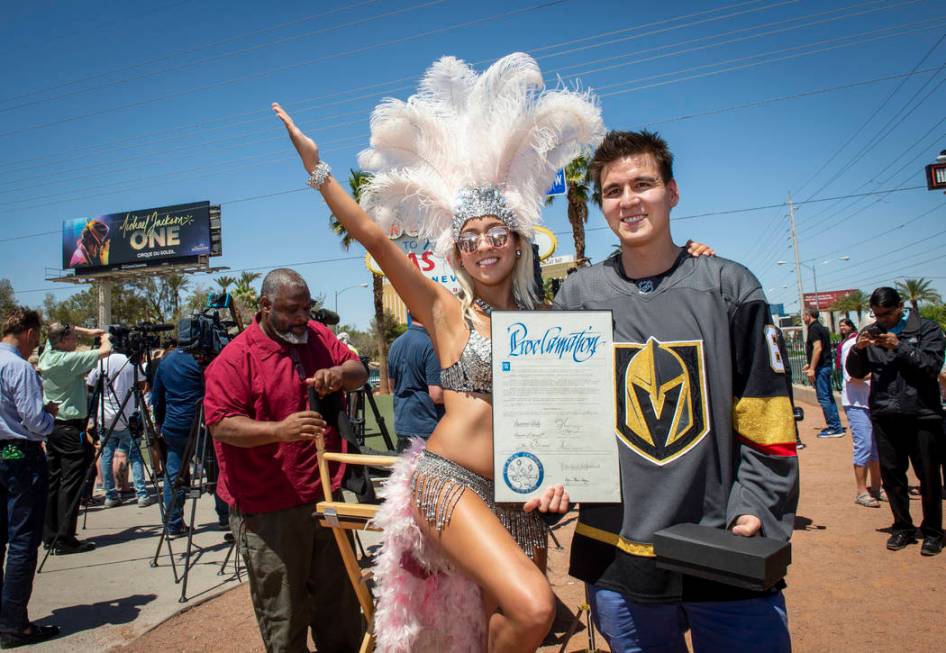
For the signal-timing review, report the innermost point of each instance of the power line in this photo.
(873, 115)
(225, 55)
(135, 141)
(832, 44)
(297, 264)
(244, 142)
(301, 64)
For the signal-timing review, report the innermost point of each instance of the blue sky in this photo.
(109, 106)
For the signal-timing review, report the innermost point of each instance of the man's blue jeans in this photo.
(826, 398)
(134, 456)
(23, 485)
(177, 443)
(748, 626)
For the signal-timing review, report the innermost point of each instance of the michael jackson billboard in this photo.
(137, 238)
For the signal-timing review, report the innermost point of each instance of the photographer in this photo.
(68, 452)
(117, 373)
(24, 424)
(902, 354)
(176, 392)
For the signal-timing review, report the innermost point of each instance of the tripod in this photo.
(356, 414)
(103, 389)
(198, 452)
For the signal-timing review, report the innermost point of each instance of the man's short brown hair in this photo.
(19, 320)
(619, 144)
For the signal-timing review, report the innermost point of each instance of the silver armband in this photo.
(319, 174)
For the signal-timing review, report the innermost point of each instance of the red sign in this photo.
(936, 176)
(825, 299)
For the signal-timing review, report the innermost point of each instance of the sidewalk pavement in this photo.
(111, 595)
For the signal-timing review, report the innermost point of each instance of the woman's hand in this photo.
(305, 146)
(699, 249)
(554, 499)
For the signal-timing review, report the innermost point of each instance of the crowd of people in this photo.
(457, 571)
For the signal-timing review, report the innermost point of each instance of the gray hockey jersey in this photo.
(704, 419)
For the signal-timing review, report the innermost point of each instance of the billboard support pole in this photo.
(105, 302)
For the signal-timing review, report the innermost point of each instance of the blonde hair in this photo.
(523, 279)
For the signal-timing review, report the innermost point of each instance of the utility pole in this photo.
(801, 290)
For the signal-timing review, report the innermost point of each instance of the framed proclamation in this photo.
(553, 405)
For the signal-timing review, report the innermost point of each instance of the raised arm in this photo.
(423, 297)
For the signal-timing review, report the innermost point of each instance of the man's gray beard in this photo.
(292, 338)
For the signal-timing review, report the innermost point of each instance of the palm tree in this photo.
(356, 181)
(855, 301)
(225, 282)
(918, 290)
(244, 291)
(175, 285)
(578, 194)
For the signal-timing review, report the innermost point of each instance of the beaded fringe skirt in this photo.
(438, 484)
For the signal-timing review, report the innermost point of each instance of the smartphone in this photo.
(875, 330)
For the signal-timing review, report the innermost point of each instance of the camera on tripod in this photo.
(203, 334)
(134, 341)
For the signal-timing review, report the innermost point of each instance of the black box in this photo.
(755, 563)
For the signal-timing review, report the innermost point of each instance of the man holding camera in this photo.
(68, 452)
(117, 405)
(24, 424)
(264, 434)
(902, 353)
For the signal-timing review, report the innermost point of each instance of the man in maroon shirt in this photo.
(264, 435)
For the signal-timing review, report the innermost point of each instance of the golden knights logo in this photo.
(661, 397)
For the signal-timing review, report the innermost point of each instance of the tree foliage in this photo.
(7, 298)
(578, 193)
(856, 302)
(918, 290)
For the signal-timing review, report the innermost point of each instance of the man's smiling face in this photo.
(635, 200)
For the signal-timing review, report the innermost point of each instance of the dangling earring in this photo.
(518, 253)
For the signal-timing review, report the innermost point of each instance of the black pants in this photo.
(22, 503)
(68, 457)
(901, 439)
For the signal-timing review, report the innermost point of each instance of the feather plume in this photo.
(464, 130)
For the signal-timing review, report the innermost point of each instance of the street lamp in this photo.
(814, 273)
(339, 292)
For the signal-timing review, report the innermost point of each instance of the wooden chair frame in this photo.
(341, 516)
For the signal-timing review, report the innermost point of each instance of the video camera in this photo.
(325, 316)
(134, 341)
(204, 333)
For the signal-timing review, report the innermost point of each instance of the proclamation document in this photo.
(553, 405)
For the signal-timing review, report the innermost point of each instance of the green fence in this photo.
(797, 360)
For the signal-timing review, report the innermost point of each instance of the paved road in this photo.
(111, 595)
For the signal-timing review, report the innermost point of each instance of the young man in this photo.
(901, 353)
(704, 419)
(818, 370)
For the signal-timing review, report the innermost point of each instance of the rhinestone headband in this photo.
(479, 201)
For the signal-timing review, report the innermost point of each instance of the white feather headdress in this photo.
(440, 157)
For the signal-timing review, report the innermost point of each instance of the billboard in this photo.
(825, 299)
(138, 238)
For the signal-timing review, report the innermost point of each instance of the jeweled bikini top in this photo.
(474, 371)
